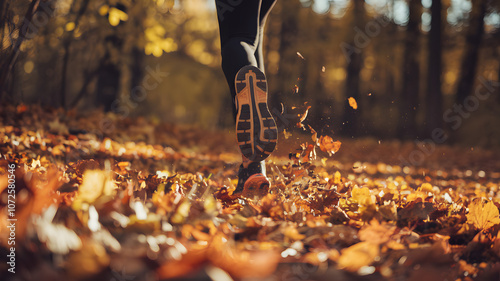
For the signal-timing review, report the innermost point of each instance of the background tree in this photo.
(350, 118)
(470, 58)
(409, 96)
(434, 98)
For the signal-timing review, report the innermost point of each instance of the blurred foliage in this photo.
(161, 58)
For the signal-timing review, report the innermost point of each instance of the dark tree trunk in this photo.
(471, 53)
(108, 83)
(350, 126)
(498, 80)
(137, 70)
(12, 53)
(289, 12)
(66, 47)
(408, 104)
(434, 99)
(4, 8)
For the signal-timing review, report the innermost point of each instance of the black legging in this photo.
(241, 27)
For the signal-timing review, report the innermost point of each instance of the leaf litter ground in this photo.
(145, 201)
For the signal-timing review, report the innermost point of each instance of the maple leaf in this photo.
(483, 215)
(353, 103)
(326, 144)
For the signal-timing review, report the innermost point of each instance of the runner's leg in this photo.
(239, 35)
(265, 9)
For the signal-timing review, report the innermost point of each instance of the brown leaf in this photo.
(416, 211)
(376, 233)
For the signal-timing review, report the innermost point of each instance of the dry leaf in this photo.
(302, 117)
(358, 255)
(95, 183)
(483, 215)
(326, 144)
(353, 103)
(376, 233)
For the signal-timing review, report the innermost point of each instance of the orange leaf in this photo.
(358, 255)
(353, 103)
(326, 144)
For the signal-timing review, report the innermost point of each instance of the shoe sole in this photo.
(255, 126)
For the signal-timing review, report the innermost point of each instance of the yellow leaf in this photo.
(182, 212)
(103, 10)
(362, 196)
(95, 183)
(337, 178)
(358, 255)
(114, 20)
(116, 15)
(353, 103)
(70, 26)
(426, 187)
(483, 215)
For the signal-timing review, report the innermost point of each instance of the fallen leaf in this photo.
(358, 255)
(376, 233)
(483, 215)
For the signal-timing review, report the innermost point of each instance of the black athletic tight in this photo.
(241, 26)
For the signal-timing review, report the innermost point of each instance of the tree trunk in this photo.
(408, 104)
(355, 63)
(66, 49)
(12, 54)
(287, 75)
(497, 89)
(472, 43)
(4, 8)
(434, 99)
(108, 83)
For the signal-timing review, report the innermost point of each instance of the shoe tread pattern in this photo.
(255, 127)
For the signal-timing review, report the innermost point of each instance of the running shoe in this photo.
(255, 127)
(252, 180)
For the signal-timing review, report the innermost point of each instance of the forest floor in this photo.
(96, 197)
